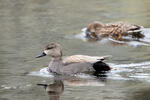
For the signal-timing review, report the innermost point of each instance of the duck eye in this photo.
(50, 48)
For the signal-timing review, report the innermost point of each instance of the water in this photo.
(27, 25)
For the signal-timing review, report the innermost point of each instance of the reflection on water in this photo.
(54, 90)
(27, 25)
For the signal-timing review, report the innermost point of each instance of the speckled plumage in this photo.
(116, 30)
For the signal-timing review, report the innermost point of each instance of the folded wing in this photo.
(83, 58)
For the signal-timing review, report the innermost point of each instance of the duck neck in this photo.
(59, 58)
(56, 64)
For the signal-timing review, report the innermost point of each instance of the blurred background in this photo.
(26, 26)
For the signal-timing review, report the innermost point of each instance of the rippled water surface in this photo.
(27, 25)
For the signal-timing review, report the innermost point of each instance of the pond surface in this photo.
(28, 25)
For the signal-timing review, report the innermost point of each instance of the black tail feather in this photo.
(101, 66)
(44, 85)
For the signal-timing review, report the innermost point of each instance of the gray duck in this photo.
(73, 64)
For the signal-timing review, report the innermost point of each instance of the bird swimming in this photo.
(73, 64)
(97, 30)
(54, 90)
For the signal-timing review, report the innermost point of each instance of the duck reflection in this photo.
(54, 90)
(96, 79)
(102, 76)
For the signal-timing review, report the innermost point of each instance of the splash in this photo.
(131, 64)
(132, 71)
(42, 73)
(141, 76)
(82, 35)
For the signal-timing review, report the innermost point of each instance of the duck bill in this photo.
(42, 55)
(87, 32)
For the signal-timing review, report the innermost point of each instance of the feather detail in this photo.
(98, 29)
(83, 58)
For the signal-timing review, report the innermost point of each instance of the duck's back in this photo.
(118, 27)
(75, 68)
(85, 67)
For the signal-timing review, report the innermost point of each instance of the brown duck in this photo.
(73, 64)
(97, 30)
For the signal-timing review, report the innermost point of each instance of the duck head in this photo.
(93, 27)
(52, 49)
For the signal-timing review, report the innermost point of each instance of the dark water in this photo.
(27, 25)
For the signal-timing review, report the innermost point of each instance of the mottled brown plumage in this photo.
(116, 30)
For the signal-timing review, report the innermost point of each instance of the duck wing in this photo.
(83, 58)
(123, 27)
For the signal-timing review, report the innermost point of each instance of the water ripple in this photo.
(42, 73)
(132, 71)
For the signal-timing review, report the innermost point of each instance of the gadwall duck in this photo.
(73, 64)
(54, 90)
(97, 30)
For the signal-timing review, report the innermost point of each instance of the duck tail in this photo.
(135, 31)
(44, 85)
(105, 57)
(101, 66)
(136, 34)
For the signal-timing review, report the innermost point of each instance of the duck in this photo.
(97, 30)
(57, 87)
(74, 64)
(54, 90)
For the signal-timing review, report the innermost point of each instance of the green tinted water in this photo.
(27, 25)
